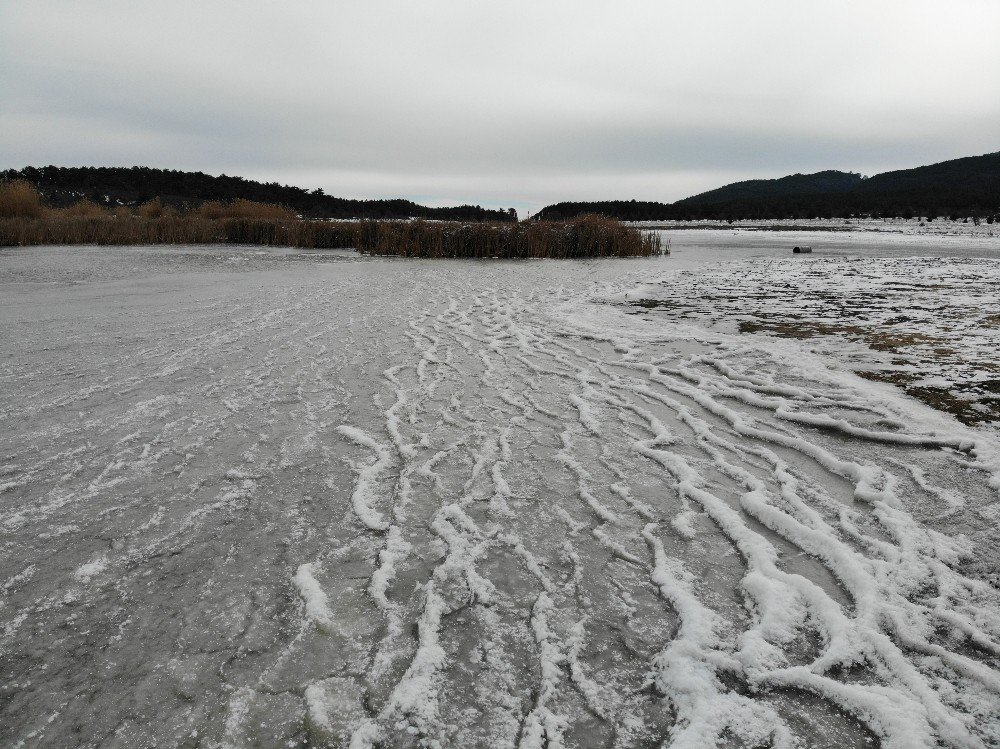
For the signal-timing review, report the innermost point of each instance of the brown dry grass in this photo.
(245, 209)
(948, 400)
(893, 341)
(107, 230)
(171, 228)
(248, 209)
(83, 209)
(212, 209)
(20, 199)
(797, 329)
(879, 340)
(151, 209)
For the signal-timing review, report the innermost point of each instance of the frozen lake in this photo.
(255, 498)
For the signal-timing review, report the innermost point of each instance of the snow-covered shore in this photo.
(939, 227)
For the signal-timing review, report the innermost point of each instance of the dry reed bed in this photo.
(588, 236)
(24, 220)
(183, 229)
(585, 237)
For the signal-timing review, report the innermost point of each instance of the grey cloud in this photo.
(513, 104)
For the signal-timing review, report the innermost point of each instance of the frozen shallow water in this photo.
(256, 498)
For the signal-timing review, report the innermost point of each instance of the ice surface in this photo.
(256, 498)
(924, 315)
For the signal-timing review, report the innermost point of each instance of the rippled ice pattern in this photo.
(267, 499)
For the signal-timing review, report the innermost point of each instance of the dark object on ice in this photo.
(798, 249)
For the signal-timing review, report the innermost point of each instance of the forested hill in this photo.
(962, 187)
(135, 185)
(971, 177)
(796, 184)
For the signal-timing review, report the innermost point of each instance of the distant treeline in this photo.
(26, 220)
(957, 189)
(133, 186)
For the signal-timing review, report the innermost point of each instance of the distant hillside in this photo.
(972, 183)
(960, 187)
(979, 173)
(135, 185)
(819, 183)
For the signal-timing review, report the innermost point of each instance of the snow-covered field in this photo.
(930, 323)
(939, 227)
(280, 499)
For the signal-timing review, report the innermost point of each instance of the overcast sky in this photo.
(500, 103)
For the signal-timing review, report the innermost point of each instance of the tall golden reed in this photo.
(20, 199)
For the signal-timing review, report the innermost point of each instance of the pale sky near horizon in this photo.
(502, 104)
